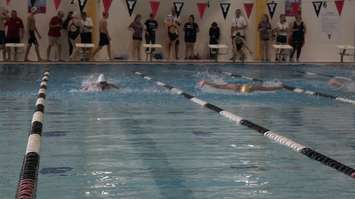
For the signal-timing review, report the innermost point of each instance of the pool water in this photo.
(145, 142)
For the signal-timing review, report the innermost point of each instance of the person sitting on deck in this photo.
(100, 85)
(242, 88)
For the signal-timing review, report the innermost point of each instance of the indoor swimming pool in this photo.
(144, 141)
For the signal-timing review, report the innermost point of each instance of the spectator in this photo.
(66, 28)
(104, 36)
(282, 29)
(86, 34)
(239, 44)
(32, 31)
(264, 31)
(151, 26)
(172, 23)
(297, 41)
(74, 28)
(137, 29)
(214, 38)
(3, 17)
(191, 29)
(239, 26)
(15, 32)
(54, 34)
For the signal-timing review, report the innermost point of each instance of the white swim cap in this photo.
(101, 78)
(34, 9)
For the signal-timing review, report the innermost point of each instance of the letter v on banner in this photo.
(272, 8)
(317, 5)
(225, 9)
(131, 4)
(178, 7)
(82, 4)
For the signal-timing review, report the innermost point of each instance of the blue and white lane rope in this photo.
(312, 154)
(297, 90)
(27, 185)
(322, 75)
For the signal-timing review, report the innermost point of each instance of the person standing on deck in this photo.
(54, 34)
(105, 38)
(32, 31)
(14, 32)
(3, 17)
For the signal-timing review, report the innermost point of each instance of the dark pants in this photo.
(297, 46)
(150, 39)
(213, 52)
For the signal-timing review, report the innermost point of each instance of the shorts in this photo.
(73, 35)
(190, 39)
(281, 39)
(32, 38)
(104, 40)
(54, 40)
(2, 38)
(14, 40)
(239, 46)
(86, 37)
(174, 37)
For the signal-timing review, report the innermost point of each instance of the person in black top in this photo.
(65, 27)
(191, 29)
(214, 38)
(151, 26)
(298, 35)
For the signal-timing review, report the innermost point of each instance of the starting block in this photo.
(343, 51)
(219, 48)
(280, 50)
(150, 50)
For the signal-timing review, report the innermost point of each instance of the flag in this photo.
(248, 8)
(272, 8)
(317, 5)
(178, 7)
(225, 9)
(340, 5)
(131, 4)
(202, 8)
(154, 5)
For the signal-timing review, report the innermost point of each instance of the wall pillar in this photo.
(260, 10)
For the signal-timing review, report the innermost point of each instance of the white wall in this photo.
(317, 48)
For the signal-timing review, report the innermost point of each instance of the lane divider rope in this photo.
(27, 185)
(310, 153)
(297, 90)
(322, 75)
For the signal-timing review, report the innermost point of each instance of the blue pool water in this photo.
(150, 143)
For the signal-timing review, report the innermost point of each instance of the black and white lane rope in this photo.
(297, 90)
(322, 75)
(312, 154)
(27, 185)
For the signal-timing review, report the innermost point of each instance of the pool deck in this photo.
(209, 62)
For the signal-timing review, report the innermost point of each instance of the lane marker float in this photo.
(297, 90)
(310, 153)
(27, 185)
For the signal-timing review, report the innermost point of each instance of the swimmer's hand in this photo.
(202, 83)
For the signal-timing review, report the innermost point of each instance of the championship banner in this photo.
(248, 7)
(340, 5)
(225, 9)
(154, 6)
(131, 4)
(317, 5)
(57, 3)
(202, 8)
(272, 8)
(82, 4)
(178, 7)
(41, 5)
(107, 5)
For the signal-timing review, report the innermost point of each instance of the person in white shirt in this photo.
(238, 27)
(282, 30)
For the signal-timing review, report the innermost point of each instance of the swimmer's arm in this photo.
(234, 87)
(114, 86)
(265, 88)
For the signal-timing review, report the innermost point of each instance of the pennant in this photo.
(272, 8)
(178, 7)
(340, 5)
(33, 3)
(131, 4)
(248, 8)
(202, 8)
(154, 5)
(296, 8)
(8, 2)
(57, 4)
(82, 4)
(107, 5)
(225, 9)
(317, 5)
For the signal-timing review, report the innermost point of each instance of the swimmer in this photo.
(242, 88)
(100, 85)
(342, 82)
